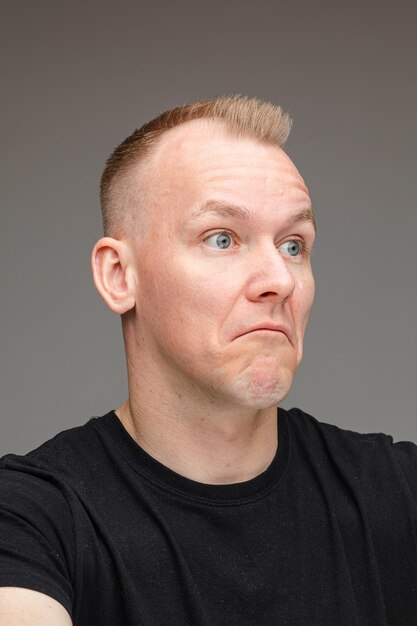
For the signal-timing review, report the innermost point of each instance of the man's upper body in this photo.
(325, 535)
(206, 257)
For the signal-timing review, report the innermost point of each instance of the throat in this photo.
(203, 449)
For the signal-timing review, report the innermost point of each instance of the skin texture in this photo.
(25, 607)
(196, 375)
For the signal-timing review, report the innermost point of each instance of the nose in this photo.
(271, 278)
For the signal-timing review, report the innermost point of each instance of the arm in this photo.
(36, 549)
(24, 607)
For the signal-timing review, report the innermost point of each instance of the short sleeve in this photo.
(36, 536)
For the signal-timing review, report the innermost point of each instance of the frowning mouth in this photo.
(267, 329)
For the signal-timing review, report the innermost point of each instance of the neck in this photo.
(208, 443)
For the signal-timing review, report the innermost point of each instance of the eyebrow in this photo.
(226, 209)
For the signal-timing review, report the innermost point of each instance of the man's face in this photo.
(224, 281)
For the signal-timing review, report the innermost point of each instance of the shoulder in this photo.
(371, 457)
(45, 497)
(46, 484)
(39, 485)
(67, 455)
(308, 427)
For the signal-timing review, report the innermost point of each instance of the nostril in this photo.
(268, 293)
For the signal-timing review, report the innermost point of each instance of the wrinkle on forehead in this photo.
(227, 209)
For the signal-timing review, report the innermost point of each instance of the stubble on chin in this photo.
(263, 384)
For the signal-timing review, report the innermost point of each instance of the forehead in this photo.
(201, 160)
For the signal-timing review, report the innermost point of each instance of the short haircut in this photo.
(242, 117)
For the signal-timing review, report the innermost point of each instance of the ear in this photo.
(113, 274)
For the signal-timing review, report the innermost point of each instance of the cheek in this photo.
(181, 295)
(310, 289)
(305, 299)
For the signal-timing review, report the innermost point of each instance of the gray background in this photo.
(77, 77)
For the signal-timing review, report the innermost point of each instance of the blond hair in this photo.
(242, 116)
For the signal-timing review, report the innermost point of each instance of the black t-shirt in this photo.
(326, 535)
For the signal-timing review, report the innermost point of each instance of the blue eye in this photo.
(292, 247)
(221, 240)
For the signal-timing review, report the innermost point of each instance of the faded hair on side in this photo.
(242, 116)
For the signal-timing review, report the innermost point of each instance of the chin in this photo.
(261, 389)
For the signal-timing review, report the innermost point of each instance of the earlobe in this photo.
(113, 276)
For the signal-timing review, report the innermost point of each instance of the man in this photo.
(196, 502)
